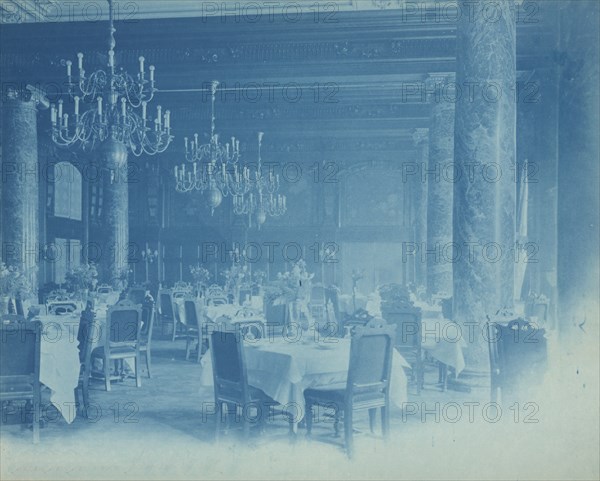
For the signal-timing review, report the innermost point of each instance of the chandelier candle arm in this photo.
(99, 116)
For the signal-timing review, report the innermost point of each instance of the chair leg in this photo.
(37, 401)
(309, 418)
(187, 347)
(336, 423)
(199, 357)
(348, 434)
(246, 424)
(106, 373)
(174, 329)
(218, 420)
(372, 418)
(85, 393)
(138, 374)
(147, 357)
(385, 421)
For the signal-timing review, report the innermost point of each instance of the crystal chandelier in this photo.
(215, 166)
(262, 200)
(111, 96)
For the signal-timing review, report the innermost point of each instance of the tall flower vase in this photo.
(4, 302)
(292, 314)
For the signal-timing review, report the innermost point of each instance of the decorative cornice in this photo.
(26, 94)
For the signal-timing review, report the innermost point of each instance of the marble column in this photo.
(578, 169)
(114, 242)
(419, 186)
(484, 195)
(20, 181)
(440, 185)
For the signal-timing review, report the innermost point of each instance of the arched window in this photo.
(67, 191)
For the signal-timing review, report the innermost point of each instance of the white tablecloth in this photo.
(443, 339)
(226, 313)
(283, 369)
(59, 361)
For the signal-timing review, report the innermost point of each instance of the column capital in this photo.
(28, 94)
(420, 136)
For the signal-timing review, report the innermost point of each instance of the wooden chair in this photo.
(57, 295)
(85, 336)
(250, 323)
(194, 328)
(407, 318)
(215, 296)
(367, 386)
(231, 381)
(121, 340)
(245, 294)
(518, 358)
(317, 304)
(148, 313)
(166, 311)
(61, 308)
(136, 294)
(20, 365)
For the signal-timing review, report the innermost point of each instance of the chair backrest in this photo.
(148, 314)
(275, 314)
(217, 301)
(123, 324)
(229, 366)
(85, 332)
(370, 359)
(20, 343)
(518, 353)
(317, 295)
(407, 318)
(191, 313)
(19, 306)
(181, 286)
(104, 289)
(57, 295)
(245, 295)
(136, 295)
(165, 303)
(215, 296)
(59, 308)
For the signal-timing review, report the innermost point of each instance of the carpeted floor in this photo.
(163, 431)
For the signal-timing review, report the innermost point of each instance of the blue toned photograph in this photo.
(300, 240)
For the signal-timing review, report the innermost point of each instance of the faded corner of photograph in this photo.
(300, 240)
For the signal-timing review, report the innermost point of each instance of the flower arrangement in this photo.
(14, 282)
(121, 281)
(258, 278)
(393, 296)
(200, 275)
(235, 278)
(82, 277)
(291, 286)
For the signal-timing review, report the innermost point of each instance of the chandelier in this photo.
(111, 97)
(262, 200)
(215, 166)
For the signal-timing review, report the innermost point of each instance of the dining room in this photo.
(299, 240)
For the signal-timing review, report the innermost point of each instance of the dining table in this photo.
(59, 355)
(283, 368)
(59, 361)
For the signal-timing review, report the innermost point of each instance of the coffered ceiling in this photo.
(352, 88)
